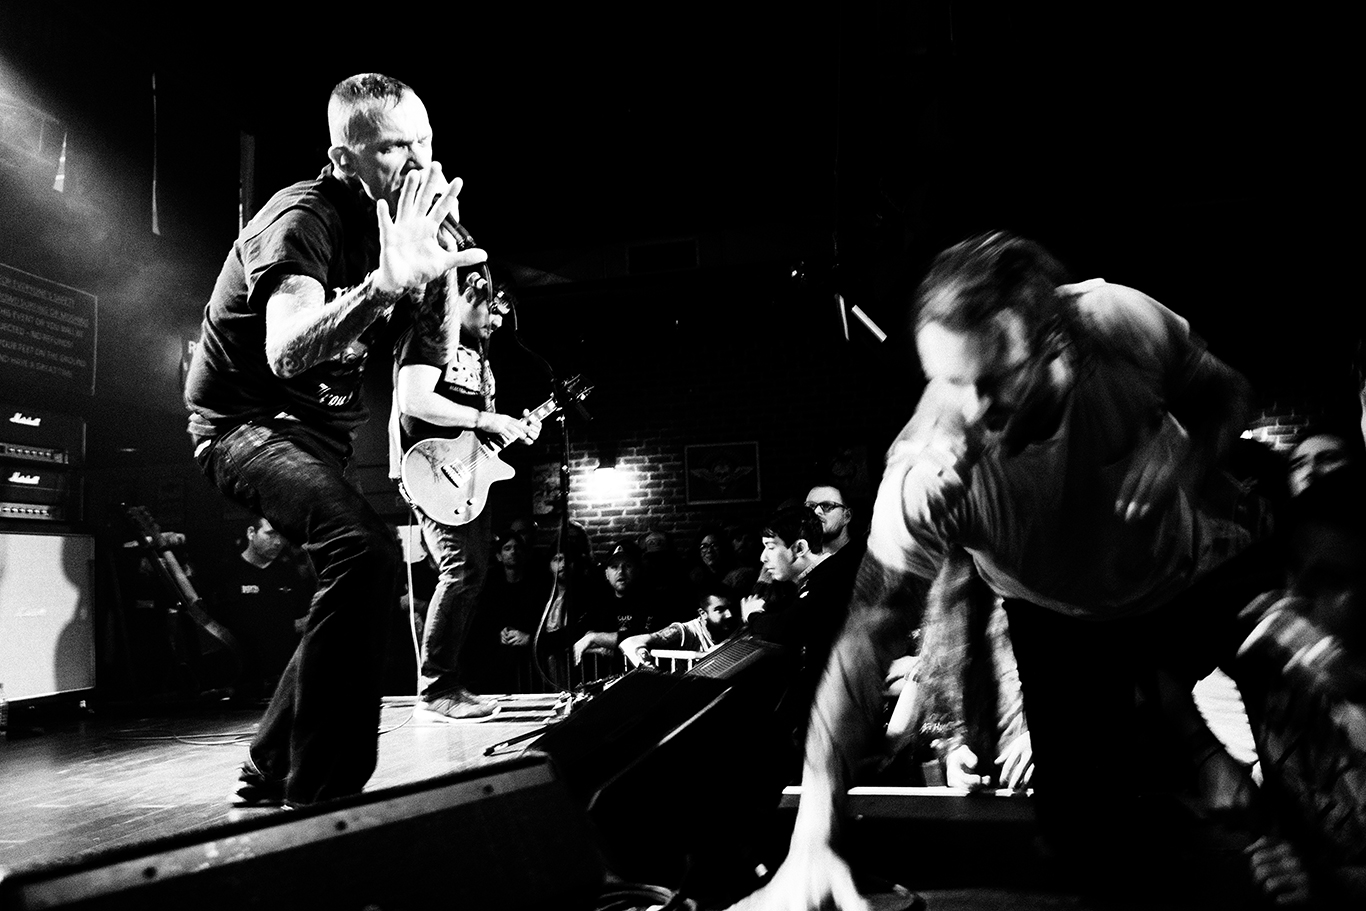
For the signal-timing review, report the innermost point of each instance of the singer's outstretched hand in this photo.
(410, 253)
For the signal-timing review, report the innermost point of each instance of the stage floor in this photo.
(110, 779)
(113, 778)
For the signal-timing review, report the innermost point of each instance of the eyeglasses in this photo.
(476, 292)
(825, 506)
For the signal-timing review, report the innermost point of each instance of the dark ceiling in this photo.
(1163, 144)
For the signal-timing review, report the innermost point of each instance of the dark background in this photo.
(1204, 155)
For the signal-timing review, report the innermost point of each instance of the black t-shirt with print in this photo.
(467, 380)
(324, 229)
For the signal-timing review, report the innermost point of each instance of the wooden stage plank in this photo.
(110, 779)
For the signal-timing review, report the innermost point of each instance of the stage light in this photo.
(607, 459)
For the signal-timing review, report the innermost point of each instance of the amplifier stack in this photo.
(41, 453)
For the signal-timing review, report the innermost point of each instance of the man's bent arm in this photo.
(1213, 406)
(845, 717)
(635, 648)
(1206, 413)
(888, 602)
(303, 330)
(417, 397)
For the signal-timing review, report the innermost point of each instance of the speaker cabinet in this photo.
(504, 835)
(47, 629)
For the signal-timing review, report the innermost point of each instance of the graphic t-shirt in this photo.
(321, 228)
(465, 379)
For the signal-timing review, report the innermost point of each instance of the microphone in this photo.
(456, 232)
(453, 229)
(940, 450)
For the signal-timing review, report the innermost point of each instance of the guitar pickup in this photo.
(456, 474)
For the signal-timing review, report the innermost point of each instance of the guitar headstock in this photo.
(574, 389)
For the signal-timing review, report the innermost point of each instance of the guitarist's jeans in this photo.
(320, 732)
(462, 555)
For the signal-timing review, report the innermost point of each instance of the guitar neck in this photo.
(540, 413)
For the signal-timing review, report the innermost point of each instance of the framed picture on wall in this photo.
(722, 473)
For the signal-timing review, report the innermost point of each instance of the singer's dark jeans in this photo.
(320, 732)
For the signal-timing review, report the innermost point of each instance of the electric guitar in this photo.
(449, 480)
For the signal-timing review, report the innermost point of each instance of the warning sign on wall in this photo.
(47, 333)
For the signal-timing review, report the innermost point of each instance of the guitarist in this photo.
(444, 386)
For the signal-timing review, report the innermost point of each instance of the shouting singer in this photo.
(274, 394)
(1057, 441)
(443, 386)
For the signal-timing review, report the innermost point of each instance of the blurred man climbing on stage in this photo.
(1058, 440)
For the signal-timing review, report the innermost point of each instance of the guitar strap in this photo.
(395, 444)
(485, 377)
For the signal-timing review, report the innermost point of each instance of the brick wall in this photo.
(1283, 421)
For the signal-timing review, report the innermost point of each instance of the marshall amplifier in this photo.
(39, 435)
(41, 452)
(42, 512)
(42, 455)
(33, 484)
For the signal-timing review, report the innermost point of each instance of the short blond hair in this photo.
(355, 104)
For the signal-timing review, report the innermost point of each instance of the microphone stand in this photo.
(568, 403)
(563, 537)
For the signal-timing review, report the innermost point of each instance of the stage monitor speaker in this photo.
(642, 754)
(505, 835)
(606, 735)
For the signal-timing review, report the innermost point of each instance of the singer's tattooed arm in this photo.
(303, 330)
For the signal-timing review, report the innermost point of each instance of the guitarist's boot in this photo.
(457, 705)
(254, 789)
